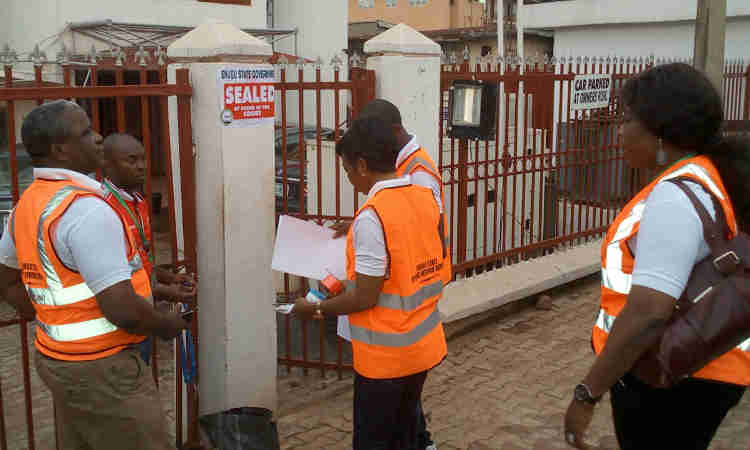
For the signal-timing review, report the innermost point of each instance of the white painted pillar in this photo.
(235, 204)
(408, 75)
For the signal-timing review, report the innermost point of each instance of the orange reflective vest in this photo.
(403, 334)
(421, 160)
(139, 219)
(618, 261)
(70, 324)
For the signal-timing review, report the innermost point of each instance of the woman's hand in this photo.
(577, 420)
(305, 309)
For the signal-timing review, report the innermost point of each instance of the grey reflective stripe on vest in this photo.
(413, 301)
(75, 331)
(60, 297)
(55, 294)
(416, 161)
(53, 279)
(397, 339)
(406, 304)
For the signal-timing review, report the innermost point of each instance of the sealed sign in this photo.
(247, 95)
(591, 91)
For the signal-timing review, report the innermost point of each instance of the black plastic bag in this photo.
(242, 429)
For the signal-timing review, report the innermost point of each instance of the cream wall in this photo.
(24, 23)
(671, 40)
(320, 35)
(599, 12)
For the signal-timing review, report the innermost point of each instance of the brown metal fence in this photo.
(310, 117)
(551, 176)
(121, 100)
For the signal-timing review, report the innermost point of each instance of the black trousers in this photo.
(387, 414)
(424, 438)
(683, 417)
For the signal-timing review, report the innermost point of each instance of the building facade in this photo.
(634, 28)
(456, 25)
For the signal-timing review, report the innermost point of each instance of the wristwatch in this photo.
(582, 393)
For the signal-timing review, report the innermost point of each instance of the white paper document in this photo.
(284, 308)
(308, 250)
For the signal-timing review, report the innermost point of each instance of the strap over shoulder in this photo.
(715, 232)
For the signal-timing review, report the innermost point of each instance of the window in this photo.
(390, 2)
(417, 2)
(366, 3)
(229, 2)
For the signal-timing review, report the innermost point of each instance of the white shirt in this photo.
(670, 239)
(421, 177)
(89, 236)
(370, 254)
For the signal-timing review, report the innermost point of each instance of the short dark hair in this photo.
(45, 126)
(384, 110)
(115, 139)
(680, 105)
(371, 139)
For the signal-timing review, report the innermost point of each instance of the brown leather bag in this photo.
(713, 314)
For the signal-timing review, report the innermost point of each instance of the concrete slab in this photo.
(489, 290)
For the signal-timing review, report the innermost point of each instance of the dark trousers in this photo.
(424, 438)
(387, 414)
(685, 416)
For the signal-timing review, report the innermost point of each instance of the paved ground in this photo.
(505, 385)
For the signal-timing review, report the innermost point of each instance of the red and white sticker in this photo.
(247, 95)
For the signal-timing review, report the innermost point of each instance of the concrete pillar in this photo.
(408, 75)
(235, 202)
(710, 31)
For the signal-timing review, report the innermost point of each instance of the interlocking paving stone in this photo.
(505, 385)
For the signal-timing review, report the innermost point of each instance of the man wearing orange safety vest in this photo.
(86, 282)
(411, 160)
(124, 176)
(395, 257)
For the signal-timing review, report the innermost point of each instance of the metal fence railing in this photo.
(551, 175)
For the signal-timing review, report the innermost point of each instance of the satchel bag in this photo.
(713, 314)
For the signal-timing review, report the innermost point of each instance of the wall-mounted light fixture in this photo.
(473, 109)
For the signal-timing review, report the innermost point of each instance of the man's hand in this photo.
(341, 228)
(166, 276)
(173, 325)
(13, 291)
(175, 293)
(577, 420)
(123, 307)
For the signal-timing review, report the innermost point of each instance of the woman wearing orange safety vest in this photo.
(671, 128)
(394, 270)
(412, 160)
